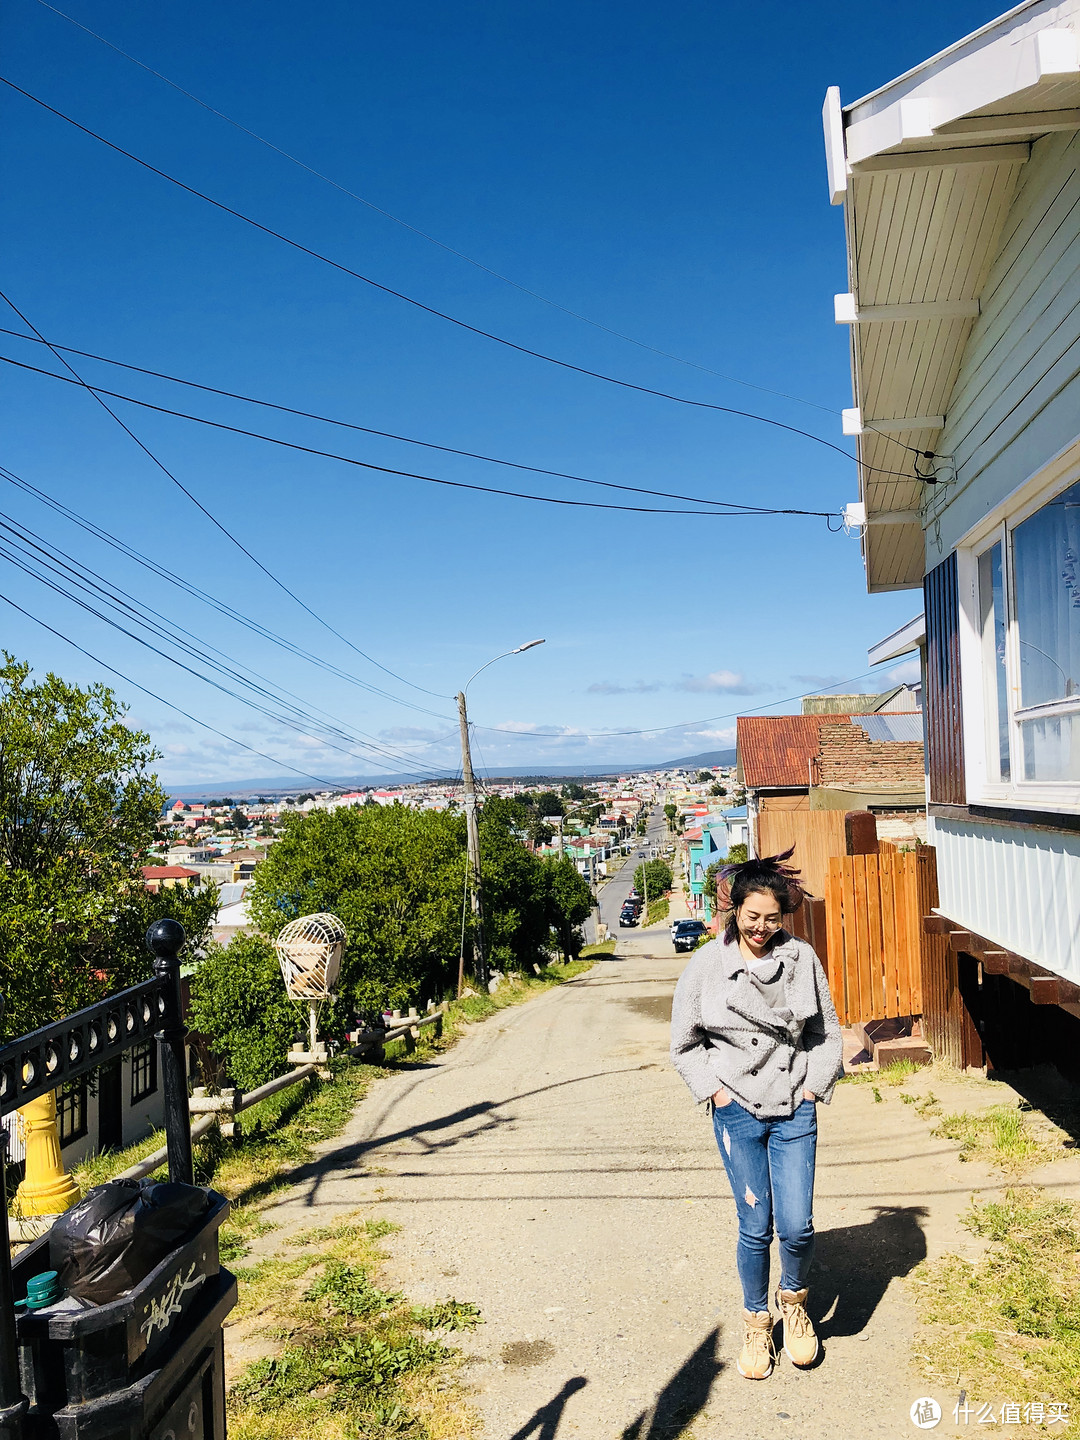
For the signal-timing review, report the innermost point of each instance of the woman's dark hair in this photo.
(769, 876)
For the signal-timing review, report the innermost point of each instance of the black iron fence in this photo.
(34, 1064)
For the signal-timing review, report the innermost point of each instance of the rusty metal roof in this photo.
(775, 750)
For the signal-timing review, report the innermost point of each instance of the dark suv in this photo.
(688, 935)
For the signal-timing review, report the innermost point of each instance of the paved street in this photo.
(616, 890)
(552, 1168)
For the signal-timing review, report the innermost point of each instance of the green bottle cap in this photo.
(42, 1290)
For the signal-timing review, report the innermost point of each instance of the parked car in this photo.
(628, 917)
(688, 936)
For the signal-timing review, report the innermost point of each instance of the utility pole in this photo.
(472, 833)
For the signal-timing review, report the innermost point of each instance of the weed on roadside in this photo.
(447, 1315)
(998, 1134)
(896, 1073)
(1007, 1327)
(355, 1359)
(478, 1007)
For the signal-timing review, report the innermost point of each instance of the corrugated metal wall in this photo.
(1017, 886)
(944, 720)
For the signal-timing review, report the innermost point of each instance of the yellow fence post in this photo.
(46, 1189)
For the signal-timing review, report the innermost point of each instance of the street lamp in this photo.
(472, 831)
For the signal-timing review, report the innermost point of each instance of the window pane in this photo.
(1051, 748)
(992, 610)
(1046, 550)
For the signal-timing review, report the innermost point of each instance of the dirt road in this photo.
(552, 1168)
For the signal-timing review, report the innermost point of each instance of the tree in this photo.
(78, 809)
(736, 855)
(395, 879)
(573, 791)
(717, 789)
(703, 777)
(712, 874)
(671, 811)
(547, 802)
(571, 902)
(653, 878)
(238, 1002)
(517, 918)
(238, 820)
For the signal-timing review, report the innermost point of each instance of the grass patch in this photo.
(354, 1359)
(1007, 1327)
(998, 1134)
(605, 947)
(658, 910)
(896, 1073)
(478, 1007)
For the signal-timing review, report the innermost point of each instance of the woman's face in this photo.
(759, 918)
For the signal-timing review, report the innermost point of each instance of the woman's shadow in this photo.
(854, 1264)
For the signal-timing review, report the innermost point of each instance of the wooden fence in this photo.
(873, 906)
(817, 836)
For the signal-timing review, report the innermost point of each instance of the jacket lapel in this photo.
(746, 1000)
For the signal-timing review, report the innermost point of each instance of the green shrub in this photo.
(238, 1001)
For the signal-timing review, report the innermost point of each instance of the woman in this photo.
(754, 1033)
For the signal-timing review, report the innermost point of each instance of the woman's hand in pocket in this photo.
(721, 1098)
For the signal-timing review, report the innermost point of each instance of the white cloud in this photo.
(906, 673)
(724, 682)
(613, 687)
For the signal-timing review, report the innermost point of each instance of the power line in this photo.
(460, 255)
(65, 566)
(430, 309)
(200, 506)
(132, 613)
(407, 474)
(160, 571)
(330, 784)
(369, 430)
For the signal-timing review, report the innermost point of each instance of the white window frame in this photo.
(978, 683)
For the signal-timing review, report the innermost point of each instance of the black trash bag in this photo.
(119, 1232)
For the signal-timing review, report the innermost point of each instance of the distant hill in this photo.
(704, 761)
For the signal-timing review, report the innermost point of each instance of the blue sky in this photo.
(657, 168)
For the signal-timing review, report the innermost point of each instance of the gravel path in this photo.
(552, 1168)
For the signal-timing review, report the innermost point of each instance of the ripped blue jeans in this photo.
(770, 1164)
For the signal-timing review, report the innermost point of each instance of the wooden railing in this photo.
(221, 1110)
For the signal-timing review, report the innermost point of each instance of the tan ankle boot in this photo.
(755, 1360)
(800, 1341)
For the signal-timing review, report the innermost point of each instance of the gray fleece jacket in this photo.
(725, 1035)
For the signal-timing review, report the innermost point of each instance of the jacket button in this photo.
(753, 1072)
(757, 1104)
(754, 1040)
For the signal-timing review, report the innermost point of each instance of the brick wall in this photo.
(847, 756)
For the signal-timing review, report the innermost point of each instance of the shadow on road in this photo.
(545, 1423)
(854, 1264)
(683, 1398)
(430, 1134)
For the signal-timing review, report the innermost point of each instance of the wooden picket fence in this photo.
(874, 909)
